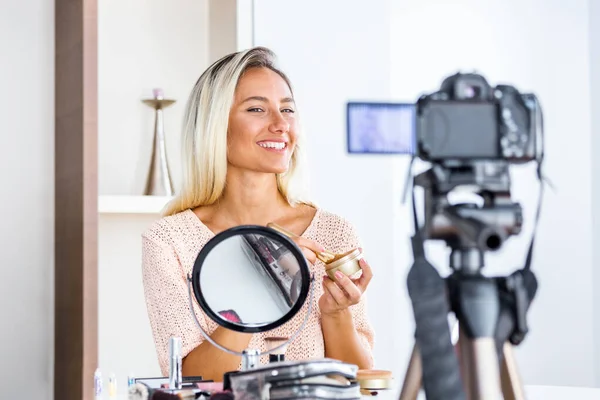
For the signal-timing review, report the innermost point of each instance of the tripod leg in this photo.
(480, 369)
(413, 381)
(465, 357)
(512, 387)
(413, 378)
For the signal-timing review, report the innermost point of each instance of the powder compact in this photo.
(347, 263)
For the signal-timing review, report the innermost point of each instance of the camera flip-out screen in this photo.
(381, 128)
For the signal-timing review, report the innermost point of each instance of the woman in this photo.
(242, 155)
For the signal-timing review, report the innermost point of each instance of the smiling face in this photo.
(262, 123)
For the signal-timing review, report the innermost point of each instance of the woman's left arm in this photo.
(347, 333)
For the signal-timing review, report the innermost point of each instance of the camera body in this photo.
(469, 120)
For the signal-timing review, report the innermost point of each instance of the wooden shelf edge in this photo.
(124, 204)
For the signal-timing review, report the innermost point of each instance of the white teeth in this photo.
(272, 145)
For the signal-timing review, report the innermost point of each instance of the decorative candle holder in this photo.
(159, 181)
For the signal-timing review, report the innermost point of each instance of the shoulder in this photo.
(181, 234)
(334, 231)
(164, 230)
(181, 231)
(328, 220)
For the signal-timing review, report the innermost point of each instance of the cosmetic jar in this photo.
(347, 263)
(373, 380)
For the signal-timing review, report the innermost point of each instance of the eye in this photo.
(288, 110)
(255, 109)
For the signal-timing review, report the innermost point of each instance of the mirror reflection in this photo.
(250, 280)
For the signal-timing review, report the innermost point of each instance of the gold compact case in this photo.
(371, 380)
(347, 263)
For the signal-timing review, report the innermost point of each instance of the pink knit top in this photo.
(170, 247)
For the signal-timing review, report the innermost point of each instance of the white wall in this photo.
(27, 165)
(334, 51)
(141, 45)
(539, 46)
(594, 32)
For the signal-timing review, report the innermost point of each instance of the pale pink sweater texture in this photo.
(170, 247)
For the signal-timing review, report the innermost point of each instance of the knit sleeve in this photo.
(167, 301)
(359, 311)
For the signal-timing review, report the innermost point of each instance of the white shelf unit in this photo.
(123, 204)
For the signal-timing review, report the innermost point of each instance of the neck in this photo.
(251, 198)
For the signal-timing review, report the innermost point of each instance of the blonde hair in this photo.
(204, 141)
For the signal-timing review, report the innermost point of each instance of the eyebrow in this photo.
(264, 99)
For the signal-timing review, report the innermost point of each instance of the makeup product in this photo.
(273, 342)
(324, 256)
(347, 263)
(175, 380)
(98, 384)
(372, 380)
(112, 386)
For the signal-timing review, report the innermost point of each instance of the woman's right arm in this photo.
(167, 302)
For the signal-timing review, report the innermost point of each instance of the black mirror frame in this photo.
(251, 229)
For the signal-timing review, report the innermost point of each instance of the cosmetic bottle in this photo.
(130, 380)
(112, 386)
(98, 384)
(175, 379)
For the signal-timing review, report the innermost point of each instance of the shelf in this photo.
(109, 204)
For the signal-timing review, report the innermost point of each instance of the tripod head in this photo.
(469, 229)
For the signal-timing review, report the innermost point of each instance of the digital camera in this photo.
(468, 120)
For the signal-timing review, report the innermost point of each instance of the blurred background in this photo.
(334, 51)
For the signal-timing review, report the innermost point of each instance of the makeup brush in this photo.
(325, 256)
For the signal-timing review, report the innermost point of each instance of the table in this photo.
(533, 392)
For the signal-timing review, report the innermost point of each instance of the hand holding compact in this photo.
(343, 292)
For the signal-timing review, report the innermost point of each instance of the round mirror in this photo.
(250, 279)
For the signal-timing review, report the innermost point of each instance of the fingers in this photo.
(352, 291)
(309, 255)
(367, 275)
(336, 293)
(309, 248)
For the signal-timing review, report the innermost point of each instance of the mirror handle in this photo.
(235, 353)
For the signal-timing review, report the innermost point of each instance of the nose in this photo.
(279, 124)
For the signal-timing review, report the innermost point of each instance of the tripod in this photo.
(485, 311)
(491, 311)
